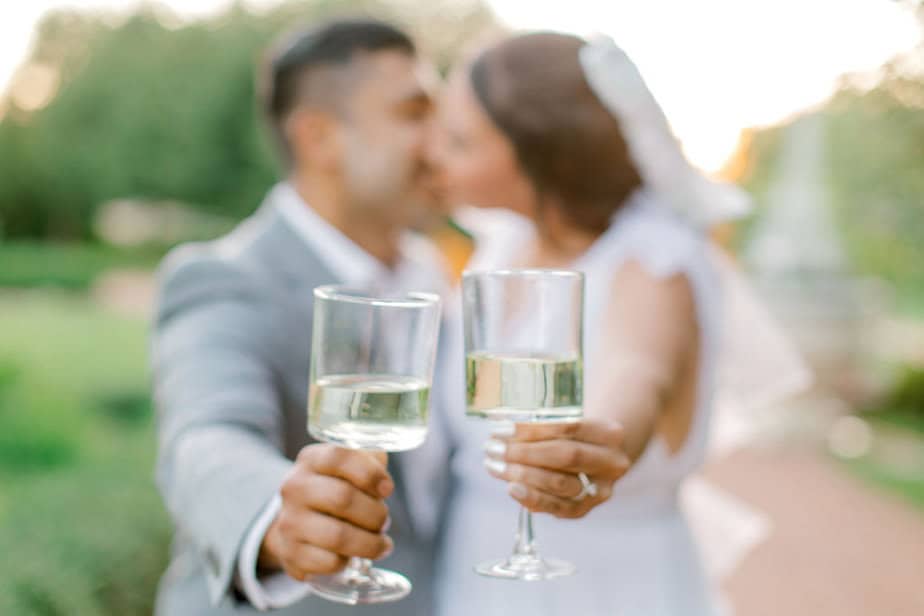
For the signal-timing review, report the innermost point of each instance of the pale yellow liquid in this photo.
(524, 387)
(369, 411)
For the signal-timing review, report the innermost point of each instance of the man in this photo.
(256, 505)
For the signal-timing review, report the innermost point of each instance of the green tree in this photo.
(874, 155)
(146, 109)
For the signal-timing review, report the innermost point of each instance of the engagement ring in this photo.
(588, 488)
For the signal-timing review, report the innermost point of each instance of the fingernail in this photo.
(386, 525)
(517, 490)
(495, 448)
(385, 487)
(504, 429)
(495, 466)
(389, 549)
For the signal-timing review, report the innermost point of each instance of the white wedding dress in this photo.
(635, 553)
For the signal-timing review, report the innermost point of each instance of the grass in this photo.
(903, 405)
(909, 488)
(885, 424)
(82, 530)
(909, 300)
(70, 266)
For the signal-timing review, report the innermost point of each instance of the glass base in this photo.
(525, 567)
(356, 588)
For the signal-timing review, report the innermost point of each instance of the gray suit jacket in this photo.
(230, 353)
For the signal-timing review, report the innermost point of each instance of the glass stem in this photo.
(525, 546)
(360, 566)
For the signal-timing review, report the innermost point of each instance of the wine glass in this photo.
(523, 363)
(371, 369)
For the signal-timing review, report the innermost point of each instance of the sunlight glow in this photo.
(720, 66)
(716, 66)
(33, 86)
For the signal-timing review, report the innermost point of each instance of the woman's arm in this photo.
(650, 337)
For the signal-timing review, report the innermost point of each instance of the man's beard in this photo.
(395, 197)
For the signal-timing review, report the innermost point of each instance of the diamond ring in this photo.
(588, 488)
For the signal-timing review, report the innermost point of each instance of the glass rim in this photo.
(355, 295)
(524, 273)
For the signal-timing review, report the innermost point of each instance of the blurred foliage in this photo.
(66, 265)
(90, 540)
(903, 404)
(875, 172)
(899, 412)
(152, 107)
(762, 148)
(82, 529)
(910, 488)
(876, 155)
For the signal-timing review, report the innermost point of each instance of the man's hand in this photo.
(542, 461)
(332, 508)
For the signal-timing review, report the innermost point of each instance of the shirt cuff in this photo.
(272, 590)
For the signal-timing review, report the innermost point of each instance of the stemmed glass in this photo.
(371, 370)
(523, 363)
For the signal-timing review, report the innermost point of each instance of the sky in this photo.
(716, 66)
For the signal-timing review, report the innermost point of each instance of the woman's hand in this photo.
(541, 461)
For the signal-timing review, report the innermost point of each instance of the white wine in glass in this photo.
(525, 387)
(370, 411)
(523, 362)
(371, 369)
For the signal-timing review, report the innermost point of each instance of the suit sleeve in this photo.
(219, 415)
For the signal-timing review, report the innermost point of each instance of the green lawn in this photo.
(82, 530)
(907, 483)
(71, 266)
(896, 460)
(909, 300)
(909, 488)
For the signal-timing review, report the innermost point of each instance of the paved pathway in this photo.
(838, 546)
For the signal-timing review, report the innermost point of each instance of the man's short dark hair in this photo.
(329, 45)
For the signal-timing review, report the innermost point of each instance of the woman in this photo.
(537, 125)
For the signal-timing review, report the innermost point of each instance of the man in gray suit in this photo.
(257, 505)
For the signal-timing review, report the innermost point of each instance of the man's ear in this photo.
(314, 137)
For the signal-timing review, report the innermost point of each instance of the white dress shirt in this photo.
(420, 267)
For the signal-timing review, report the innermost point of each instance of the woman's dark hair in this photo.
(568, 144)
